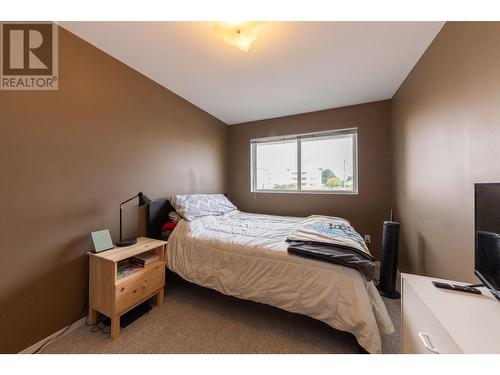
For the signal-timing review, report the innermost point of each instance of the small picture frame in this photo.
(102, 240)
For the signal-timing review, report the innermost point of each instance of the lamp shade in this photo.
(143, 200)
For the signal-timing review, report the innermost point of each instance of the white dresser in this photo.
(443, 321)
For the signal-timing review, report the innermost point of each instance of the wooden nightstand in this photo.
(113, 296)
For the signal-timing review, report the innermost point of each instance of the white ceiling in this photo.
(293, 67)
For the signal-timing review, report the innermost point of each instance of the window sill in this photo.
(306, 192)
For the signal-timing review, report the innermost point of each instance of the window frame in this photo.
(299, 138)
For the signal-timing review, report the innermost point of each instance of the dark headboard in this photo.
(157, 216)
(158, 211)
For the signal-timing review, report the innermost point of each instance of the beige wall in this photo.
(67, 159)
(446, 132)
(366, 211)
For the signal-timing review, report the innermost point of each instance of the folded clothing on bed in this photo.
(334, 240)
(330, 253)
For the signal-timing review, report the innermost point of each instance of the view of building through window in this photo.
(327, 163)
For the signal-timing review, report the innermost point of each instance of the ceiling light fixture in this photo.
(241, 34)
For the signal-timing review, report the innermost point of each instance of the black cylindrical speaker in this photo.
(389, 261)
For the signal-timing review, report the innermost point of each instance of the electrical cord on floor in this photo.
(85, 305)
(99, 327)
(103, 324)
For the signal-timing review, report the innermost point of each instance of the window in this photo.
(324, 162)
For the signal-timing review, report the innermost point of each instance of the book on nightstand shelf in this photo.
(125, 268)
(144, 259)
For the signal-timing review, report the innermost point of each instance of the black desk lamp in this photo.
(143, 201)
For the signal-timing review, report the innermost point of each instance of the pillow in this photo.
(174, 217)
(168, 226)
(198, 205)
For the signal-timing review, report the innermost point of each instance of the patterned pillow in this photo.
(193, 206)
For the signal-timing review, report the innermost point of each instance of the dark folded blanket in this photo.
(344, 256)
(332, 239)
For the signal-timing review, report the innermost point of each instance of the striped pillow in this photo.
(193, 206)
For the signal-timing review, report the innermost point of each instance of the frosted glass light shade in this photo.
(241, 35)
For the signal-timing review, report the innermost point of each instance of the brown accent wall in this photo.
(446, 132)
(67, 159)
(366, 211)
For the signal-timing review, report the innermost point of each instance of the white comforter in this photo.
(245, 255)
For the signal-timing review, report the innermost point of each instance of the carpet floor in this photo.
(199, 320)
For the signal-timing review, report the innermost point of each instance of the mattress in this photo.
(245, 255)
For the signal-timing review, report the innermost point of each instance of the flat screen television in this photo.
(487, 236)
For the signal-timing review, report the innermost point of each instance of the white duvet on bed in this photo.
(245, 255)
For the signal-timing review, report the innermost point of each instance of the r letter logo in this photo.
(28, 56)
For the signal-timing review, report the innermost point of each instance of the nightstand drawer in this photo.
(139, 286)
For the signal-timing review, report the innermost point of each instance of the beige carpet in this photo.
(199, 320)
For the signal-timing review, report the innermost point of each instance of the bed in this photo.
(245, 255)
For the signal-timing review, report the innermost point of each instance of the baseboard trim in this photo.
(34, 347)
